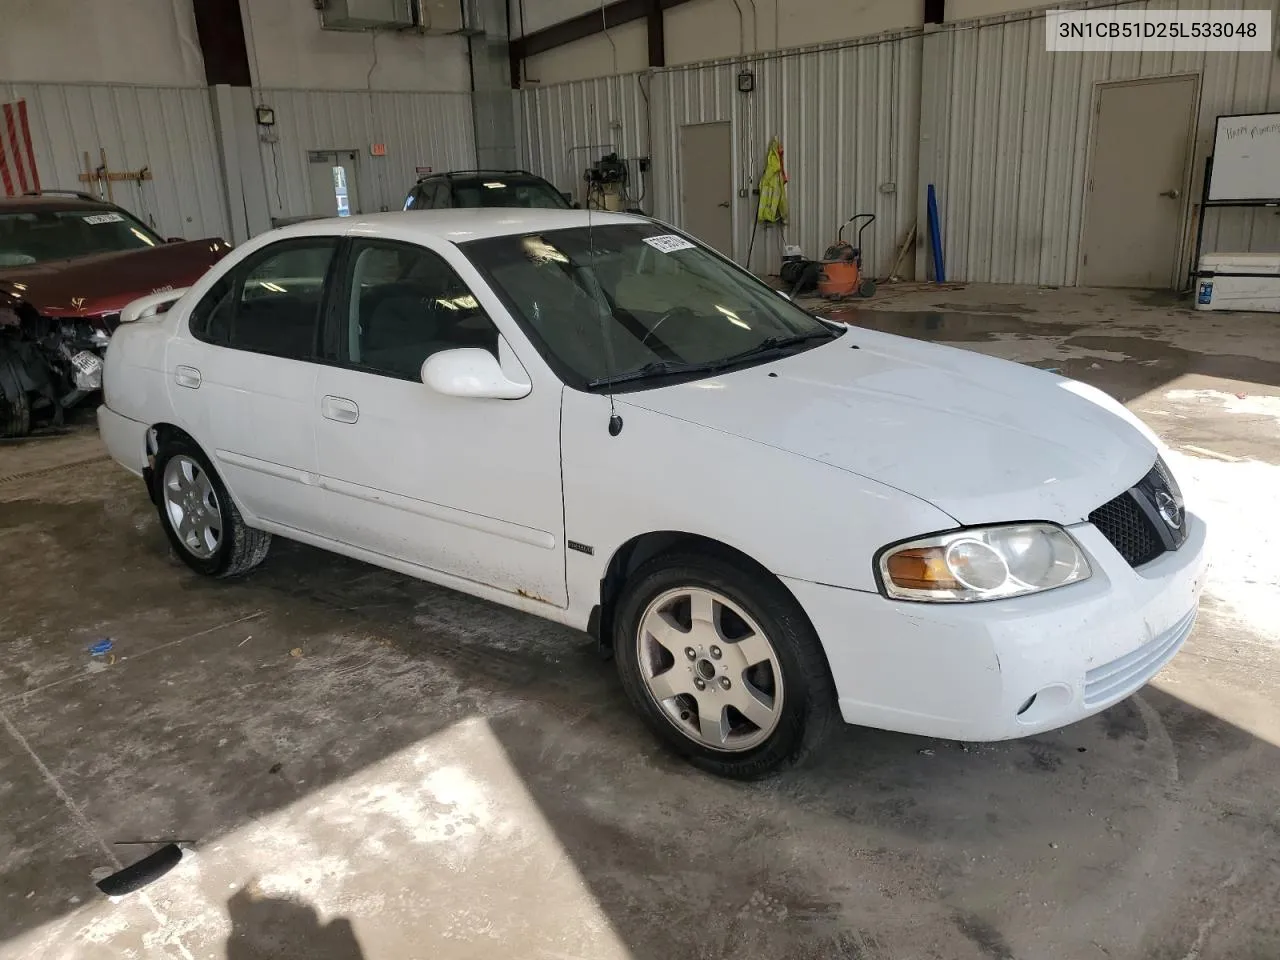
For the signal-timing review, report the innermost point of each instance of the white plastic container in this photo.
(1239, 281)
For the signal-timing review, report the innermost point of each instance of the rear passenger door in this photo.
(244, 382)
(465, 487)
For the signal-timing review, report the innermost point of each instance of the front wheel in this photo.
(199, 516)
(723, 665)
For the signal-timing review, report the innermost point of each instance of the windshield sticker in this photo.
(668, 243)
(104, 218)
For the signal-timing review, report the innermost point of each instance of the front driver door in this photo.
(466, 487)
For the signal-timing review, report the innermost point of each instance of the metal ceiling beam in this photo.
(222, 42)
(657, 35)
(593, 22)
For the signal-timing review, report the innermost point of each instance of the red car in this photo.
(69, 263)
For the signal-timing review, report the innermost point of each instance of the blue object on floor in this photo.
(99, 647)
(935, 238)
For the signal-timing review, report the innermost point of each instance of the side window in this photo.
(444, 195)
(211, 318)
(271, 302)
(407, 303)
(420, 197)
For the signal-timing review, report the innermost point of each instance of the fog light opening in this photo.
(1044, 705)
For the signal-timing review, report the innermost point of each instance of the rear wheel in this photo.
(723, 665)
(199, 516)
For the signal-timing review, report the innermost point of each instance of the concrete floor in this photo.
(368, 766)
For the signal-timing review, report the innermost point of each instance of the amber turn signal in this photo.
(923, 568)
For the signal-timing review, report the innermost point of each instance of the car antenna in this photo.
(615, 418)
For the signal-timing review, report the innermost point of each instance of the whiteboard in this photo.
(1246, 158)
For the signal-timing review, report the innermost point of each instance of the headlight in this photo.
(984, 563)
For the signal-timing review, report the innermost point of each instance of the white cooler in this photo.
(1239, 281)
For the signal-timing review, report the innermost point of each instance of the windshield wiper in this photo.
(776, 344)
(665, 368)
(658, 368)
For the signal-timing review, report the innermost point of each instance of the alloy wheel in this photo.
(711, 668)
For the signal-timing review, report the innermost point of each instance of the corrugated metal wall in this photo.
(419, 129)
(847, 117)
(166, 129)
(1007, 128)
(563, 128)
(1001, 126)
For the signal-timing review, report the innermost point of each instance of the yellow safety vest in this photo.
(773, 187)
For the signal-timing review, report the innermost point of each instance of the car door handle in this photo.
(185, 376)
(340, 409)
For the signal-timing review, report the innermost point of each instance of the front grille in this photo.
(1125, 524)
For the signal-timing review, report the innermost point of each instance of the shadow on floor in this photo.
(268, 928)
(1126, 364)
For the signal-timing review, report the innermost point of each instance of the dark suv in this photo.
(484, 188)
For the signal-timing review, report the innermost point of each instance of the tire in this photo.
(867, 288)
(790, 696)
(15, 415)
(218, 543)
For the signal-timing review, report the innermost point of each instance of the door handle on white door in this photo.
(340, 409)
(186, 376)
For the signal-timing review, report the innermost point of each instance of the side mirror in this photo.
(470, 372)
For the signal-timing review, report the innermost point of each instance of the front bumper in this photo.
(965, 671)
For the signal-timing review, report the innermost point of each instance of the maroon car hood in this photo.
(103, 284)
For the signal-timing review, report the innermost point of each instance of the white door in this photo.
(706, 183)
(332, 180)
(466, 487)
(244, 380)
(1137, 181)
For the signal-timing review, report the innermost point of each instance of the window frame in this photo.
(338, 314)
(240, 272)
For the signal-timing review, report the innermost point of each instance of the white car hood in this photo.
(984, 440)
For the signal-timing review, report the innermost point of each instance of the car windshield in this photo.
(34, 236)
(507, 191)
(634, 304)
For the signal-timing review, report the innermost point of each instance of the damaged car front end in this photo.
(47, 364)
(68, 265)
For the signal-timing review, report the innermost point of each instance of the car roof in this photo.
(52, 202)
(476, 175)
(458, 225)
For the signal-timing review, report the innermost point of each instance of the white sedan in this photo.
(769, 518)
